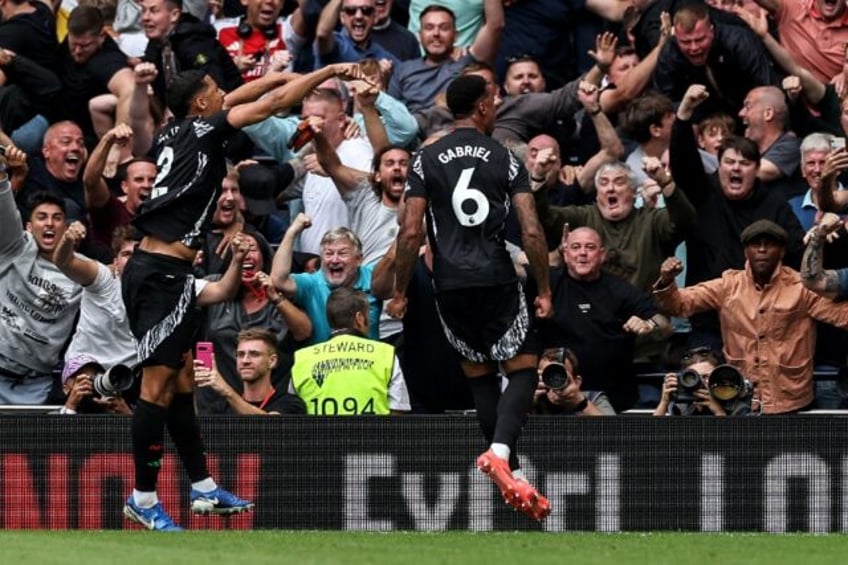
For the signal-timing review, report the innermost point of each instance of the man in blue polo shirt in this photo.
(341, 266)
(353, 42)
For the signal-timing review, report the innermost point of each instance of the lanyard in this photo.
(267, 398)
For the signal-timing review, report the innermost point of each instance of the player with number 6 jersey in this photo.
(469, 179)
(466, 183)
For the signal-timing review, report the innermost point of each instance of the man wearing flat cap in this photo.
(766, 314)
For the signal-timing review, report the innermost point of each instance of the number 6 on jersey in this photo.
(470, 206)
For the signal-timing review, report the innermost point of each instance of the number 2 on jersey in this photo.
(470, 206)
(163, 163)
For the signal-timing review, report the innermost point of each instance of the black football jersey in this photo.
(469, 180)
(190, 158)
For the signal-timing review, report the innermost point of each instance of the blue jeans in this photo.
(29, 136)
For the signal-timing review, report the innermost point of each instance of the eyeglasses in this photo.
(351, 10)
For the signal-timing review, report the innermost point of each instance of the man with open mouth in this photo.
(729, 60)
(765, 116)
(353, 42)
(813, 31)
(40, 303)
(58, 170)
(727, 201)
(635, 238)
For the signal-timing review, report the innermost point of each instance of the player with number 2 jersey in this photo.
(159, 290)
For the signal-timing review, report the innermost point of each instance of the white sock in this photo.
(206, 485)
(501, 450)
(145, 499)
(519, 474)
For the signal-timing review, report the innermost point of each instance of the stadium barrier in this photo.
(772, 474)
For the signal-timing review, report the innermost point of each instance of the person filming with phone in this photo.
(256, 356)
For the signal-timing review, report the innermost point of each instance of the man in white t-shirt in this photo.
(103, 330)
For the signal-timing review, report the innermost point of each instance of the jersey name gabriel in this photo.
(469, 180)
(191, 163)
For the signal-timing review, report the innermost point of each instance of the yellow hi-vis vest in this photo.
(344, 376)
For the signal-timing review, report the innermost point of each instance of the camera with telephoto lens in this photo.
(729, 387)
(113, 382)
(688, 382)
(554, 375)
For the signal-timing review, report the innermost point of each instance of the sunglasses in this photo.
(703, 351)
(524, 57)
(351, 10)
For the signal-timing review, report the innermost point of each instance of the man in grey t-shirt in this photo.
(417, 82)
(40, 303)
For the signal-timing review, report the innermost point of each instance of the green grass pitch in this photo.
(371, 548)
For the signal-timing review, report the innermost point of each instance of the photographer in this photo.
(689, 392)
(88, 395)
(558, 390)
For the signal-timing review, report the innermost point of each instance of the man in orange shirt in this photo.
(813, 31)
(767, 317)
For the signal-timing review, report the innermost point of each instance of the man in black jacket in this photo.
(29, 63)
(178, 42)
(29, 29)
(29, 89)
(729, 60)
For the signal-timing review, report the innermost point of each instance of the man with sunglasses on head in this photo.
(353, 42)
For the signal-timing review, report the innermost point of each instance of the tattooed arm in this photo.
(814, 276)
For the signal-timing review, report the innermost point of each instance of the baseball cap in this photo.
(76, 363)
(260, 184)
(764, 228)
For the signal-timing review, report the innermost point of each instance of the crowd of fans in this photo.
(685, 158)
